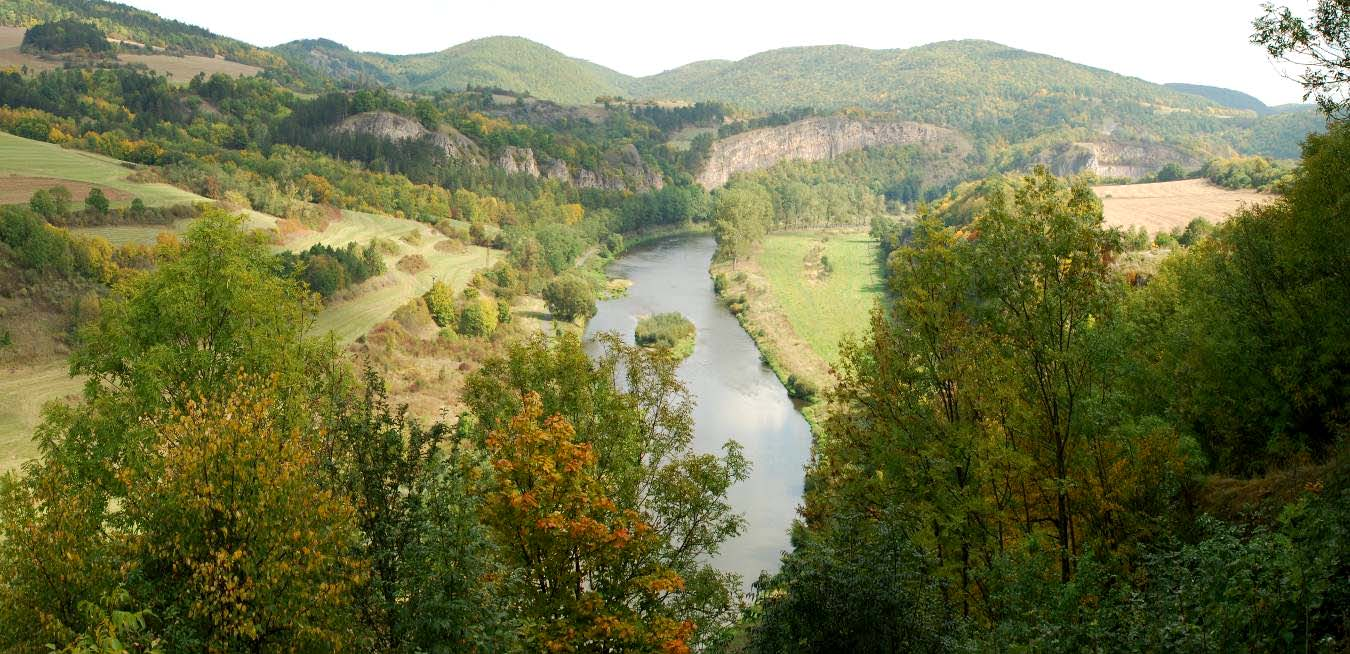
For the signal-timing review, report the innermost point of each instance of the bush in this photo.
(667, 330)
(570, 297)
(801, 389)
(503, 312)
(96, 201)
(440, 300)
(478, 317)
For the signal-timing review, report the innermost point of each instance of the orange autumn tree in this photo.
(587, 581)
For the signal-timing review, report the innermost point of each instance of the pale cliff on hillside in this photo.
(817, 139)
(1116, 159)
(624, 168)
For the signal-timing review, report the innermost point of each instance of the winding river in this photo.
(737, 396)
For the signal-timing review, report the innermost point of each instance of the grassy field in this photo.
(822, 306)
(1162, 206)
(23, 391)
(24, 159)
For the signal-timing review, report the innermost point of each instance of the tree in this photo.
(638, 428)
(440, 300)
(741, 217)
(551, 513)
(234, 533)
(478, 317)
(434, 579)
(569, 297)
(96, 201)
(1320, 43)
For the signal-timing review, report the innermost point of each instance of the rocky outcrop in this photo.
(1116, 158)
(816, 139)
(622, 168)
(394, 127)
(517, 160)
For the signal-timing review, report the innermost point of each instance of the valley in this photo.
(932, 347)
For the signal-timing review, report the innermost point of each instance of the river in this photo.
(737, 396)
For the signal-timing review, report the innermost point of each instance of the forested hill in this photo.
(506, 62)
(986, 89)
(126, 23)
(1226, 97)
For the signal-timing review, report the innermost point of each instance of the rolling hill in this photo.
(980, 87)
(1226, 97)
(506, 62)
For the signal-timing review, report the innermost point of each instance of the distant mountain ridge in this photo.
(508, 62)
(1223, 96)
(979, 87)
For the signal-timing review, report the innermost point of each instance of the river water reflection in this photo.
(737, 396)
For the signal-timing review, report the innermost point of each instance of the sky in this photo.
(1195, 41)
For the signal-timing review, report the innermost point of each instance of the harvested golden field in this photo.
(1162, 206)
(182, 69)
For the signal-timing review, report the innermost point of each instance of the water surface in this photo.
(737, 396)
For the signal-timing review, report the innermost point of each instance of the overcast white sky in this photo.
(1198, 41)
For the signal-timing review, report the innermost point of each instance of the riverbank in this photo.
(735, 396)
(797, 297)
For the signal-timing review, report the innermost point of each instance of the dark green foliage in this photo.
(1246, 172)
(431, 562)
(802, 390)
(570, 297)
(1251, 322)
(668, 330)
(327, 270)
(860, 586)
(65, 36)
(96, 202)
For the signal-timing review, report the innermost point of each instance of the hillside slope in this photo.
(506, 62)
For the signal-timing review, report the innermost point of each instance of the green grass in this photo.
(823, 307)
(21, 156)
(351, 318)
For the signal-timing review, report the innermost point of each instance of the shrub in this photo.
(441, 303)
(569, 297)
(503, 312)
(96, 201)
(668, 330)
(478, 317)
(801, 389)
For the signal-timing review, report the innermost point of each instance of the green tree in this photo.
(1320, 42)
(440, 300)
(96, 201)
(639, 430)
(741, 217)
(569, 297)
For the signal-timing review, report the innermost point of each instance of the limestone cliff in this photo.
(621, 169)
(394, 127)
(1116, 158)
(815, 139)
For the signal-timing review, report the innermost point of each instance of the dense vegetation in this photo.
(279, 502)
(671, 331)
(65, 36)
(1029, 449)
(1022, 442)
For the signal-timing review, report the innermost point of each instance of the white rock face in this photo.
(1117, 159)
(816, 139)
(517, 160)
(394, 127)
